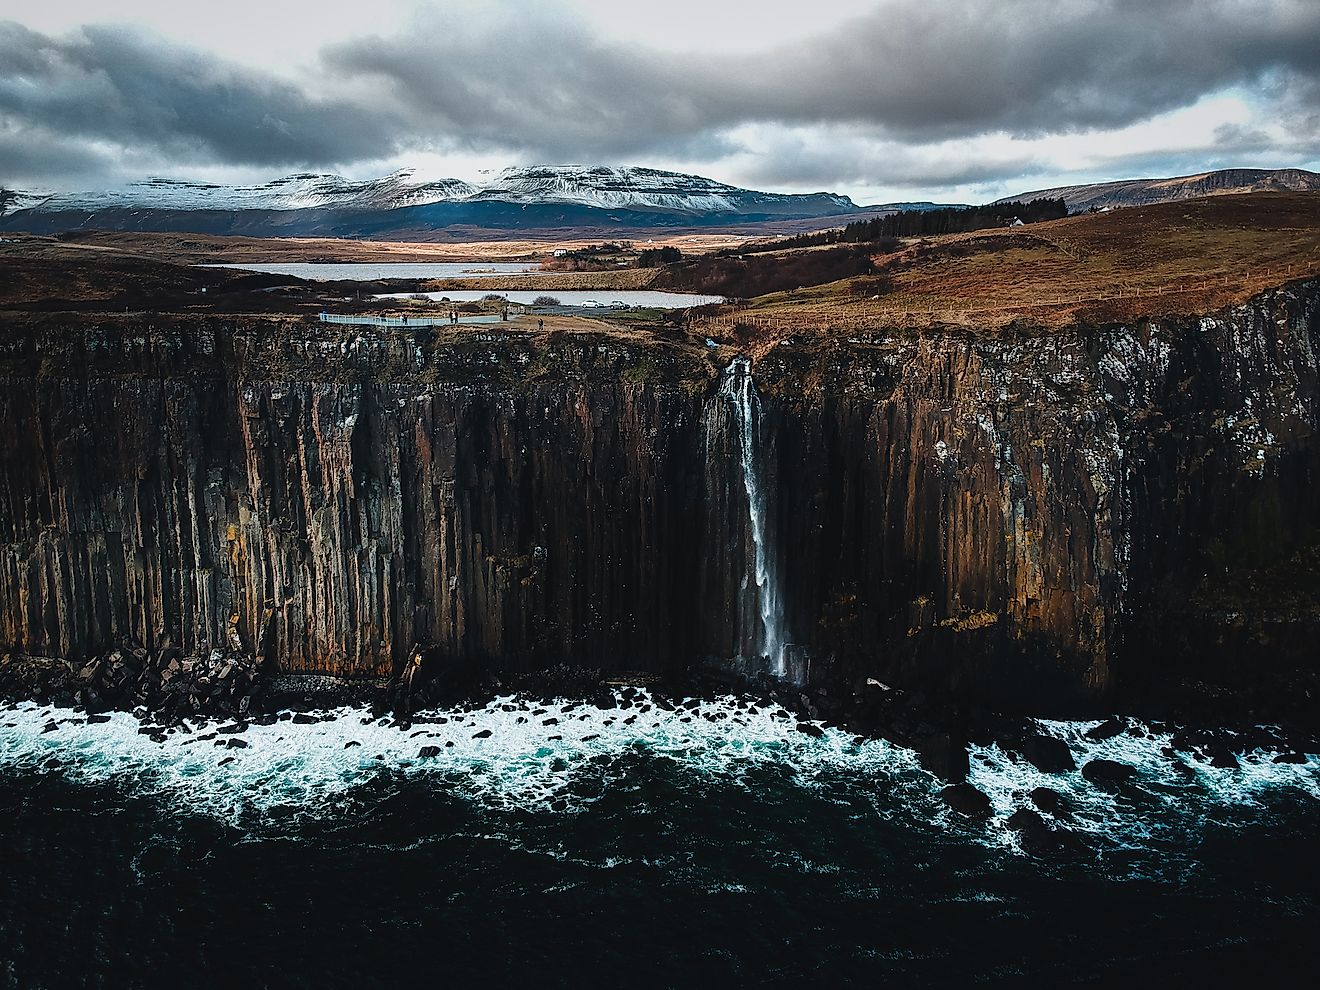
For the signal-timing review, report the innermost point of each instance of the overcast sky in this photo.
(952, 100)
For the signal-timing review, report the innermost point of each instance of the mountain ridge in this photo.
(517, 197)
(1147, 192)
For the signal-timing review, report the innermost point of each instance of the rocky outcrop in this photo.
(1032, 517)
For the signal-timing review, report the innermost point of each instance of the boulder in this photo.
(945, 756)
(1108, 773)
(427, 752)
(1034, 835)
(1039, 838)
(1281, 758)
(967, 800)
(1048, 754)
(1107, 729)
(1050, 801)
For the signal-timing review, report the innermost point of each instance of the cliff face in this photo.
(1021, 516)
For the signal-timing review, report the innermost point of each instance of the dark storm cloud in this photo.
(539, 83)
(914, 69)
(128, 88)
(834, 158)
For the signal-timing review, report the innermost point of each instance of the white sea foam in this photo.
(306, 770)
(519, 764)
(1164, 799)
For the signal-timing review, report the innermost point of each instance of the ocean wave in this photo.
(560, 758)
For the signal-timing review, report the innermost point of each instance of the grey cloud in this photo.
(915, 70)
(125, 87)
(56, 159)
(539, 84)
(832, 158)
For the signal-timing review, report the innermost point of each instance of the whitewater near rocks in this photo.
(559, 757)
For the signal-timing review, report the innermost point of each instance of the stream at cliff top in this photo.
(563, 844)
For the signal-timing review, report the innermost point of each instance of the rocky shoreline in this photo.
(216, 697)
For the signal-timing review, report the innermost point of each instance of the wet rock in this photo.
(1034, 835)
(301, 718)
(945, 756)
(967, 800)
(351, 743)
(590, 737)
(1295, 758)
(1048, 754)
(238, 744)
(1049, 801)
(97, 719)
(229, 730)
(483, 734)
(1224, 760)
(427, 752)
(226, 761)
(1108, 773)
(1107, 729)
(810, 729)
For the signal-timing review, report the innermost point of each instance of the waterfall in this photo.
(739, 392)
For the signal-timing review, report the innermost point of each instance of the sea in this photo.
(568, 845)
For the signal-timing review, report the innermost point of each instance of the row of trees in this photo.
(656, 257)
(920, 223)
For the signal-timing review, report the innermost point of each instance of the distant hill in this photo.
(1144, 192)
(309, 204)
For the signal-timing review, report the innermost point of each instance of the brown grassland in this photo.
(1181, 258)
(193, 249)
(1170, 259)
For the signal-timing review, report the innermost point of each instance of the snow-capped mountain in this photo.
(526, 197)
(632, 189)
(304, 191)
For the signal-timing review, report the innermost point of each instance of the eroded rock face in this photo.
(1018, 517)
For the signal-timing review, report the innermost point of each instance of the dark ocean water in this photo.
(723, 851)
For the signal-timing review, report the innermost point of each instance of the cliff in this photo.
(1038, 518)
